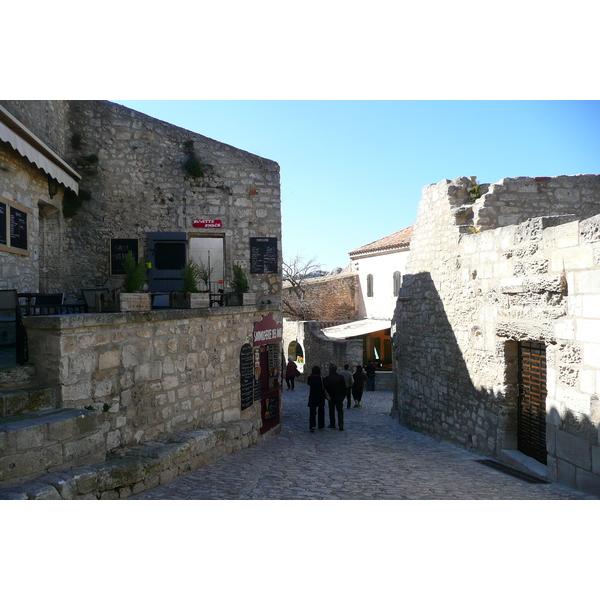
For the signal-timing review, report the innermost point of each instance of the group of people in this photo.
(335, 388)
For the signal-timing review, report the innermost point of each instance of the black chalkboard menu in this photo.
(119, 247)
(3, 238)
(263, 255)
(247, 375)
(18, 228)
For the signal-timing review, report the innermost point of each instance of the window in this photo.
(369, 285)
(397, 282)
(14, 221)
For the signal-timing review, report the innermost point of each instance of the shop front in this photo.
(267, 336)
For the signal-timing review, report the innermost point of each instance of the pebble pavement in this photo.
(374, 458)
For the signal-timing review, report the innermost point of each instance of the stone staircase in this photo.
(36, 435)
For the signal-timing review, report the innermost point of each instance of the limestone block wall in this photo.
(517, 199)
(139, 185)
(331, 298)
(133, 167)
(26, 187)
(466, 302)
(148, 374)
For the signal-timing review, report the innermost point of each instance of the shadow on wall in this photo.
(437, 395)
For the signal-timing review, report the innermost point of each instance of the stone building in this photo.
(354, 309)
(497, 326)
(80, 181)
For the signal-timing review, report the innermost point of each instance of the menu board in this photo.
(3, 238)
(18, 228)
(119, 247)
(247, 375)
(263, 255)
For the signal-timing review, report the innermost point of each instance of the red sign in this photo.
(208, 223)
(267, 331)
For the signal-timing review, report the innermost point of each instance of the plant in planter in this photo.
(188, 295)
(131, 299)
(240, 287)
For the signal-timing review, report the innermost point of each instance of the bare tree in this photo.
(296, 271)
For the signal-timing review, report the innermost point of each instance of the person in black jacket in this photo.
(316, 399)
(335, 385)
(358, 385)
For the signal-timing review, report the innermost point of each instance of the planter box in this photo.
(201, 300)
(137, 302)
(234, 299)
(249, 298)
(189, 300)
(107, 302)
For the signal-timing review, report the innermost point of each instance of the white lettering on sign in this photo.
(268, 334)
(208, 223)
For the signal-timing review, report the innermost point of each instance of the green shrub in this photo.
(135, 274)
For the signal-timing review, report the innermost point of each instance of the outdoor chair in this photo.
(90, 297)
(49, 304)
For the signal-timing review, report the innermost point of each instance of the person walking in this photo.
(291, 371)
(347, 375)
(335, 386)
(316, 399)
(370, 369)
(358, 386)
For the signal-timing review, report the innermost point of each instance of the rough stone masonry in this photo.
(519, 263)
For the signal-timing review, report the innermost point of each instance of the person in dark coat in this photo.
(335, 385)
(316, 399)
(370, 369)
(358, 386)
(291, 371)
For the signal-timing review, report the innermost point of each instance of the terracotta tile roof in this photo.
(395, 241)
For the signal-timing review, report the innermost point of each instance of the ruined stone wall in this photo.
(332, 298)
(516, 199)
(469, 298)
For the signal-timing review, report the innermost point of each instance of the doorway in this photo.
(531, 428)
(209, 254)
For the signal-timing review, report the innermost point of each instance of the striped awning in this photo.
(35, 151)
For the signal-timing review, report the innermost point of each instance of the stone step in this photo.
(15, 377)
(37, 443)
(26, 400)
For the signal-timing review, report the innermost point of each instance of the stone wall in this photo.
(151, 373)
(319, 349)
(126, 380)
(331, 298)
(469, 298)
(133, 167)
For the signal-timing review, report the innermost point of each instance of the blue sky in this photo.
(353, 171)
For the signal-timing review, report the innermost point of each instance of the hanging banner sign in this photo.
(207, 223)
(267, 331)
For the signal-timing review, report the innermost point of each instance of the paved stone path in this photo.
(373, 458)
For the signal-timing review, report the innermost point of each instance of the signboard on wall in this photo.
(119, 247)
(18, 228)
(3, 237)
(207, 223)
(247, 376)
(263, 255)
(267, 331)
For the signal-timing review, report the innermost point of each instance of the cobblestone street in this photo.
(373, 458)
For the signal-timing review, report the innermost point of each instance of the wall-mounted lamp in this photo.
(52, 186)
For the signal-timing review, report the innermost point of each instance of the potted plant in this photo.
(131, 298)
(189, 296)
(240, 294)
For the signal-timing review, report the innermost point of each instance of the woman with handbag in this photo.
(316, 399)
